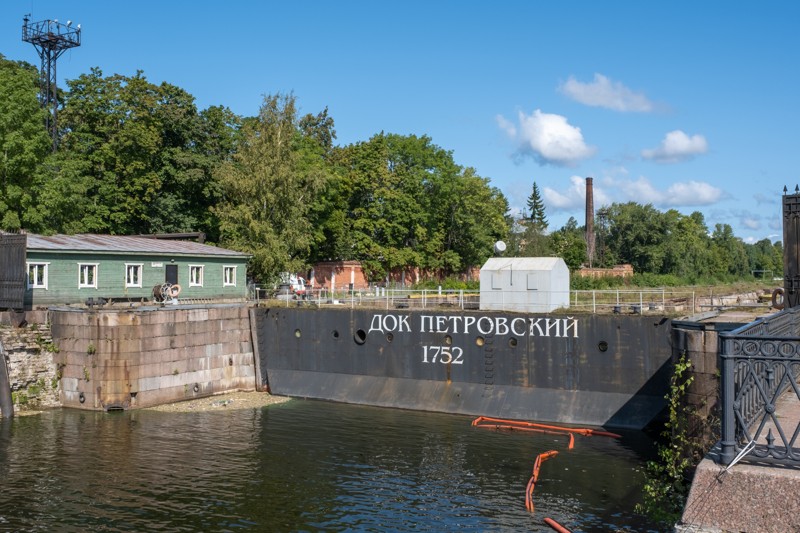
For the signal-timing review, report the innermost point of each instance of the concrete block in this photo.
(149, 384)
(746, 498)
(153, 344)
(69, 384)
(195, 315)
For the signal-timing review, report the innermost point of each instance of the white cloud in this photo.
(676, 147)
(767, 199)
(574, 197)
(681, 194)
(641, 190)
(691, 193)
(751, 223)
(548, 138)
(602, 92)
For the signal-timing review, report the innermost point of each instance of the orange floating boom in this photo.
(556, 526)
(520, 424)
(542, 457)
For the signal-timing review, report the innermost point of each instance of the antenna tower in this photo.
(51, 39)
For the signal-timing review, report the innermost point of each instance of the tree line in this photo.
(134, 158)
(677, 248)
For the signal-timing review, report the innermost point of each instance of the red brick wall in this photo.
(618, 271)
(346, 272)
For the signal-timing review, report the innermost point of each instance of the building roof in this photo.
(120, 244)
(522, 263)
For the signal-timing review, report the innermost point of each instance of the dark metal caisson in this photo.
(600, 370)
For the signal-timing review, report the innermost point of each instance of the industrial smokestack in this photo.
(589, 222)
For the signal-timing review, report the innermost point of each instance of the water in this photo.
(306, 466)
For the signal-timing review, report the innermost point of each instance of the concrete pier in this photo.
(120, 359)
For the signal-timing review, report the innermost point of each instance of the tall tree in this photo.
(636, 235)
(134, 158)
(266, 192)
(569, 243)
(536, 209)
(687, 246)
(400, 202)
(23, 143)
(729, 253)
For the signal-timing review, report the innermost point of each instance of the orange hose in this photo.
(555, 525)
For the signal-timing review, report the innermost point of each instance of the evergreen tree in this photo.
(536, 207)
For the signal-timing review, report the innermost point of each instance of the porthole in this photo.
(297, 333)
(602, 346)
(335, 334)
(360, 337)
(448, 340)
(479, 341)
(512, 342)
(389, 337)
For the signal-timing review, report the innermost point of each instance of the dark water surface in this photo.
(306, 466)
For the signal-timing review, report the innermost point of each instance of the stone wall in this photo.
(33, 375)
(120, 359)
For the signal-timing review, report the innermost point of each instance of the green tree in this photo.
(24, 143)
(729, 254)
(134, 158)
(478, 221)
(266, 192)
(766, 257)
(636, 235)
(569, 243)
(533, 241)
(688, 247)
(398, 202)
(536, 209)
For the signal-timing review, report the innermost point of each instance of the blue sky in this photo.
(684, 105)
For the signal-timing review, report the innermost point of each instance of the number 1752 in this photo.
(443, 354)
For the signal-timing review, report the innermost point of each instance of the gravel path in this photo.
(231, 400)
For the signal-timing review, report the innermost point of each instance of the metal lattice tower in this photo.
(51, 39)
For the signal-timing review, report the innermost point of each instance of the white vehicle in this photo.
(297, 285)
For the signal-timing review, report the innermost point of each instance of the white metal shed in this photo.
(524, 284)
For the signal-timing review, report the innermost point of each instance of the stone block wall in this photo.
(120, 359)
(33, 375)
(701, 346)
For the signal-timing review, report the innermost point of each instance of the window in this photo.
(37, 275)
(228, 276)
(195, 275)
(133, 275)
(87, 276)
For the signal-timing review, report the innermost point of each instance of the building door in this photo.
(12, 270)
(172, 274)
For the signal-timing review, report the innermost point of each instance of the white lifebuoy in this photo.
(175, 290)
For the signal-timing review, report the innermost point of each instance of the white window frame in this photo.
(225, 270)
(32, 282)
(93, 284)
(193, 281)
(134, 267)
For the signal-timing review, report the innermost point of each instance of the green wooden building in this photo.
(70, 269)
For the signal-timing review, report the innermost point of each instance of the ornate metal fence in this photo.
(760, 368)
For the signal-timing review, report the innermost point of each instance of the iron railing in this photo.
(619, 301)
(760, 365)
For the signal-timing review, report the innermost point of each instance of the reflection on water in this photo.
(305, 466)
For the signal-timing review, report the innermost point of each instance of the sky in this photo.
(686, 105)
